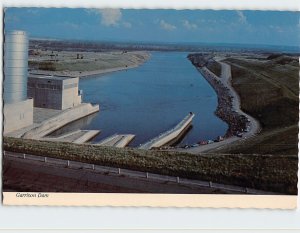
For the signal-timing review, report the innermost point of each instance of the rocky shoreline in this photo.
(237, 122)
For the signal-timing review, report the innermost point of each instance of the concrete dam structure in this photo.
(54, 92)
(65, 117)
(117, 140)
(78, 136)
(23, 95)
(169, 135)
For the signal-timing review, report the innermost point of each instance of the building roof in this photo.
(53, 77)
(15, 32)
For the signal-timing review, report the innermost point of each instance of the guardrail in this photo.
(133, 174)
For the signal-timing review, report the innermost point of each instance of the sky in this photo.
(169, 26)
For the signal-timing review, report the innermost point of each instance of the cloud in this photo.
(210, 21)
(276, 28)
(127, 25)
(11, 19)
(70, 25)
(109, 17)
(166, 26)
(188, 25)
(33, 11)
(242, 17)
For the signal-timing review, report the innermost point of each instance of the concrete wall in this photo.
(18, 115)
(46, 93)
(70, 97)
(54, 92)
(66, 117)
(163, 141)
(169, 135)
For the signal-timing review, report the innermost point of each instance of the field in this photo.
(70, 61)
(276, 173)
(214, 67)
(269, 90)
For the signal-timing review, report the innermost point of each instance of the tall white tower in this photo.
(15, 66)
(18, 110)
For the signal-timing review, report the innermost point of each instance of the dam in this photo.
(77, 137)
(169, 135)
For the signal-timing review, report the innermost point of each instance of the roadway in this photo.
(226, 79)
(122, 180)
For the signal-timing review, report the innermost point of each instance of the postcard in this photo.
(150, 107)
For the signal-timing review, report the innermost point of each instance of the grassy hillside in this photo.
(269, 92)
(214, 67)
(271, 173)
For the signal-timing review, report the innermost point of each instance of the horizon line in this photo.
(161, 42)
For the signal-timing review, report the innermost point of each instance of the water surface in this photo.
(151, 99)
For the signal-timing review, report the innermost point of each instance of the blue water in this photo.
(151, 99)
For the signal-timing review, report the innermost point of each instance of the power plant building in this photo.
(54, 92)
(18, 109)
(23, 92)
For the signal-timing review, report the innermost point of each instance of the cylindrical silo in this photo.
(15, 66)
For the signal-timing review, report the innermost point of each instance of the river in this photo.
(151, 99)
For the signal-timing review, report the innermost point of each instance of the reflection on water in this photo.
(151, 99)
(180, 137)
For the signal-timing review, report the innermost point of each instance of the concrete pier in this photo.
(63, 118)
(117, 140)
(78, 136)
(88, 135)
(169, 135)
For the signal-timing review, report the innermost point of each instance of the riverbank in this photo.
(82, 74)
(84, 64)
(240, 124)
(237, 122)
(268, 89)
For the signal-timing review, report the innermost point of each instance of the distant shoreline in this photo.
(166, 47)
(127, 64)
(83, 74)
